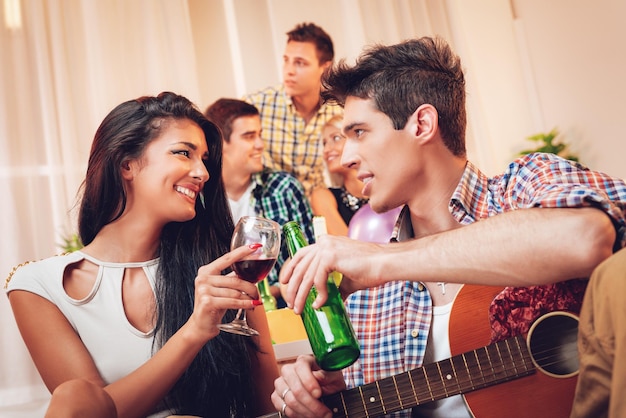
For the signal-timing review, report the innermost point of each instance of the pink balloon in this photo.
(367, 225)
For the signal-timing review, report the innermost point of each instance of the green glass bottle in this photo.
(330, 332)
(269, 301)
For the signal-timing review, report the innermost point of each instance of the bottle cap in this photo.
(319, 226)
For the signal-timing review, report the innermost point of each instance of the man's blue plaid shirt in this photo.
(392, 321)
(279, 196)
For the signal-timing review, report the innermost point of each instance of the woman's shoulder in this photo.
(29, 272)
(323, 195)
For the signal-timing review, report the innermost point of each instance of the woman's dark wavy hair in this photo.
(218, 382)
(402, 77)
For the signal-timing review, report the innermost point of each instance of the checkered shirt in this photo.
(392, 321)
(279, 196)
(290, 144)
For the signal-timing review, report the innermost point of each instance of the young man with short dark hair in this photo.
(251, 189)
(292, 114)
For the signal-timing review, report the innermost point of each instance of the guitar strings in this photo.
(561, 356)
(422, 386)
(508, 363)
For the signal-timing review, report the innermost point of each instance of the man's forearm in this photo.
(524, 247)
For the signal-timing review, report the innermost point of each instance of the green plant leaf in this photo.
(547, 144)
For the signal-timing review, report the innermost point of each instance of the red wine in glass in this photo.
(252, 231)
(254, 270)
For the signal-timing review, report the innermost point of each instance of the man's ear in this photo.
(424, 122)
(326, 65)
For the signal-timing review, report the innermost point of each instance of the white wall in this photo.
(577, 50)
(534, 65)
(531, 65)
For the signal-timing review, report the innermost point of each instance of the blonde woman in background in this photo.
(339, 202)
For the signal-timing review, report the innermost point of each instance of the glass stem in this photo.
(241, 315)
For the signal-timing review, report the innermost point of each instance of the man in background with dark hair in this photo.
(292, 114)
(252, 190)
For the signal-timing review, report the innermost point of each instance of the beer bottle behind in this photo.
(319, 229)
(269, 301)
(328, 328)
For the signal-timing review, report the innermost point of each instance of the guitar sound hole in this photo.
(552, 342)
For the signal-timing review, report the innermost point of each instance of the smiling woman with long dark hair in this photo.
(129, 322)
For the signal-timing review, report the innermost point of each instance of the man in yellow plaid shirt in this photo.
(292, 114)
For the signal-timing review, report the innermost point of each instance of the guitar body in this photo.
(540, 394)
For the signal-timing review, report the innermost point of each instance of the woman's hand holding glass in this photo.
(263, 235)
(216, 293)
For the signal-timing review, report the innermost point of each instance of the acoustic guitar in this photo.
(519, 377)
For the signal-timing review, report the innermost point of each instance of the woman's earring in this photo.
(202, 200)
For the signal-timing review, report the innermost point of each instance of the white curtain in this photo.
(61, 72)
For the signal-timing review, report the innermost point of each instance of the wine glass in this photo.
(253, 230)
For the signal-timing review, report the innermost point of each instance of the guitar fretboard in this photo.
(496, 363)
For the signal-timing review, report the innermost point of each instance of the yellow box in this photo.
(288, 334)
(285, 326)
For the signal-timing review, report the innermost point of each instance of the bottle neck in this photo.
(294, 237)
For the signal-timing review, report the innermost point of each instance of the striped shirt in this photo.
(279, 196)
(392, 321)
(292, 145)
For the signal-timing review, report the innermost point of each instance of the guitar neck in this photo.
(490, 365)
